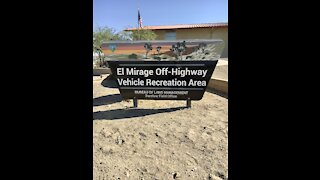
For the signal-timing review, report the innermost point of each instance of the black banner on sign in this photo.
(162, 80)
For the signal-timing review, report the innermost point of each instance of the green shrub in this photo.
(133, 56)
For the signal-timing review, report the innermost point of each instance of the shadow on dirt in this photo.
(216, 92)
(109, 82)
(105, 100)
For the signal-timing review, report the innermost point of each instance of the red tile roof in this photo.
(182, 26)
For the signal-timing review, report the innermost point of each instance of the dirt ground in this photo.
(159, 139)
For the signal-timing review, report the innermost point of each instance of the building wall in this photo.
(200, 33)
(160, 34)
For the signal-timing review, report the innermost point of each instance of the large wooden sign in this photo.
(163, 70)
(175, 80)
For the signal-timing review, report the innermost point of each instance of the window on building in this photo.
(170, 35)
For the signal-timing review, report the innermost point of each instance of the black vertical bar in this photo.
(135, 102)
(188, 103)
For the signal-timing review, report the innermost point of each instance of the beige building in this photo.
(192, 31)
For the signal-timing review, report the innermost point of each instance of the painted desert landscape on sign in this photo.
(163, 50)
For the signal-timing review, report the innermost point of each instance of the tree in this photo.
(148, 48)
(123, 35)
(158, 49)
(100, 35)
(178, 49)
(143, 34)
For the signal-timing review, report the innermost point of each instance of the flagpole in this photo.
(139, 16)
(139, 20)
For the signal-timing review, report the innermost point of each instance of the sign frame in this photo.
(194, 75)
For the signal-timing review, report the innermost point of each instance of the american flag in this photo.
(139, 19)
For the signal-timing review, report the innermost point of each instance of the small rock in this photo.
(175, 175)
(142, 134)
(219, 175)
(119, 141)
(213, 177)
(127, 173)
